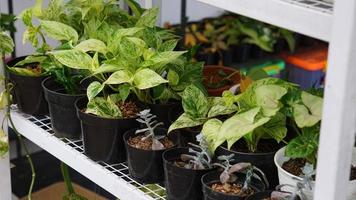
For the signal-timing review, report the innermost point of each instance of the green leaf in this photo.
(127, 32)
(93, 45)
(147, 78)
(95, 62)
(289, 37)
(131, 47)
(59, 31)
(310, 113)
(211, 130)
(148, 18)
(73, 58)
(23, 71)
(106, 68)
(168, 45)
(4, 144)
(104, 108)
(303, 146)
(268, 96)
(313, 103)
(37, 9)
(184, 121)
(30, 35)
(195, 103)
(241, 124)
(275, 128)
(4, 100)
(220, 107)
(135, 7)
(26, 16)
(6, 43)
(30, 60)
(94, 89)
(124, 91)
(119, 77)
(173, 77)
(160, 59)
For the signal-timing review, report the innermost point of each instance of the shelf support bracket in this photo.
(339, 111)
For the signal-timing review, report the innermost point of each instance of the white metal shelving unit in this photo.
(114, 178)
(336, 24)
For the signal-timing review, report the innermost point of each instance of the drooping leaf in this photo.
(93, 45)
(59, 31)
(73, 58)
(104, 108)
(135, 7)
(195, 103)
(211, 130)
(30, 60)
(147, 78)
(94, 89)
(23, 71)
(185, 121)
(220, 107)
(26, 16)
(6, 43)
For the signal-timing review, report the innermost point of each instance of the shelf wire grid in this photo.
(317, 5)
(120, 170)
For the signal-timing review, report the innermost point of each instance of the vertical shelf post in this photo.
(339, 112)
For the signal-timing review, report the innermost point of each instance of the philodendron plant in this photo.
(262, 112)
(150, 123)
(198, 108)
(228, 174)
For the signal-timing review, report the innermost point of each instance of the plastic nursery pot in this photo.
(28, 91)
(260, 195)
(213, 177)
(181, 183)
(288, 178)
(102, 137)
(258, 53)
(145, 165)
(162, 111)
(264, 161)
(211, 73)
(242, 53)
(208, 58)
(64, 120)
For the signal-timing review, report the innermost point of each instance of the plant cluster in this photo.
(148, 120)
(261, 113)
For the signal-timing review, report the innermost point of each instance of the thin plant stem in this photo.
(66, 178)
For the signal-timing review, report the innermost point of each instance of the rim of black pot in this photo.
(96, 116)
(266, 192)
(169, 162)
(206, 185)
(126, 137)
(18, 59)
(248, 153)
(59, 93)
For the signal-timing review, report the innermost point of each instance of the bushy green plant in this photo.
(262, 112)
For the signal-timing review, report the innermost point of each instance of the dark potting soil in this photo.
(266, 146)
(294, 166)
(35, 68)
(129, 109)
(232, 189)
(138, 143)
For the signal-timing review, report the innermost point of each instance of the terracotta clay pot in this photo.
(211, 73)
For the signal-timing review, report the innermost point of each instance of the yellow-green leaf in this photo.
(59, 31)
(73, 58)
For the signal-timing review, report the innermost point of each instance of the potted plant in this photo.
(145, 147)
(257, 129)
(235, 181)
(217, 79)
(198, 108)
(183, 169)
(279, 193)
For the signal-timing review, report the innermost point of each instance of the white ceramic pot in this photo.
(288, 178)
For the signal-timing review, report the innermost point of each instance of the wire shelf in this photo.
(317, 5)
(118, 171)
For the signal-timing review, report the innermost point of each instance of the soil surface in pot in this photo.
(35, 68)
(294, 166)
(138, 143)
(218, 80)
(264, 146)
(232, 189)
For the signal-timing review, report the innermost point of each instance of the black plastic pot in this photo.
(181, 183)
(260, 195)
(242, 53)
(213, 177)
(145, 165)
(28, 91)
(208, 58)
(64, 120)
(258, 53)
(102, 137)
(264, 161)
(162, 111)
(228, 56)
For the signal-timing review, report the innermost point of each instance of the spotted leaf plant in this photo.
(228, 176)
(199, 157)
(149, 121)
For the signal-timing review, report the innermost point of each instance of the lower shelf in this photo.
(114, 178)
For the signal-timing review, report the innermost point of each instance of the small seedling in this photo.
(148, 119)
(228, 176)
(201, 158)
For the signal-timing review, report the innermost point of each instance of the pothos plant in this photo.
(150, 123)
(262, 112)
(198, 108)
(228, 174)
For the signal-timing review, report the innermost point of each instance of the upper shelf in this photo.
(308, 17)
(114, 178)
